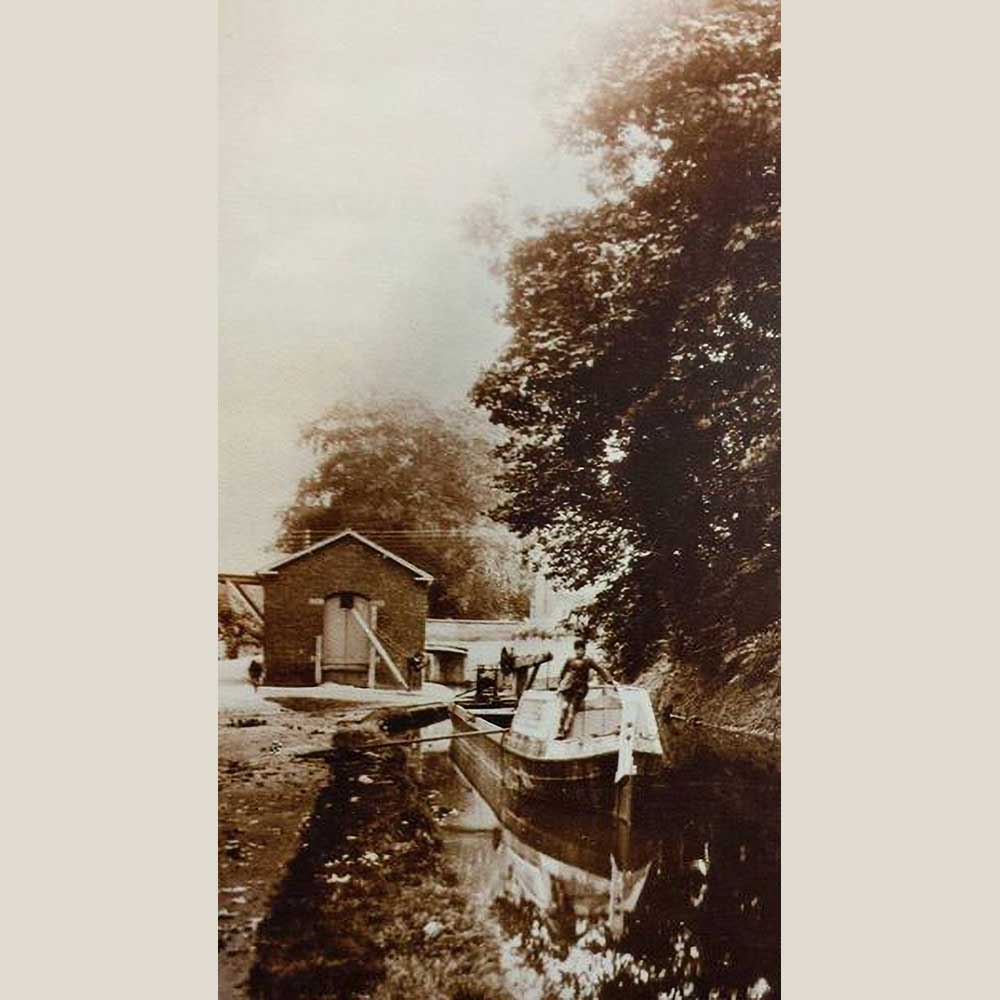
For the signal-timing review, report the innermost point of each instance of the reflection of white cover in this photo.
(616, 910)
(548, 882)
(532, 880)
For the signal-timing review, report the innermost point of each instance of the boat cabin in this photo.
(599, 719)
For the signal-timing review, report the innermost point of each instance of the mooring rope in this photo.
(740, 730)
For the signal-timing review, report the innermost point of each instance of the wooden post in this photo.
(623, 844)
(623, 800)
(319, 660)
(372, 655)
(534, 674)
(234, 588)
(374, 640)
(327, 754)
(518, 684)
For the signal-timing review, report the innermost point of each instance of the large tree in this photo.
(419, 481)
(640, 388)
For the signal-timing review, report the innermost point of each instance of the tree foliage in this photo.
(420, 482)
(238, 629)
(640, 388)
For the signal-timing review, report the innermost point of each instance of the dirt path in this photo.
(264, 798)
(287, 825)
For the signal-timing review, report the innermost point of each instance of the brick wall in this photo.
(291, 622)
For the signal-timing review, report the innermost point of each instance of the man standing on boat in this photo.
(573, 683)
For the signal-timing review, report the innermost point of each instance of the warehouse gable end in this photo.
(418, 573)
(343, 610)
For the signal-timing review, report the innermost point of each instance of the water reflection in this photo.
(586, 908)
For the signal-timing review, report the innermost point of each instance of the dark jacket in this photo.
(575, 675)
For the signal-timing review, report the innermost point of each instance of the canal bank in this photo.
(370, 906)
(731, 714)
(332, 878)
(265, 796)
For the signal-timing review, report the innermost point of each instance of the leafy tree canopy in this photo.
(420, 482)
(640, 388)
(237, 628)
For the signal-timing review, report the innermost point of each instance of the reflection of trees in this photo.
(522, 920)
(582, 965)
(711, 908)
(706, 923)
(573, 954)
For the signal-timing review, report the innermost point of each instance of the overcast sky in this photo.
(355, 136)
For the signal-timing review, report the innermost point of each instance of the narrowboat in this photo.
(613, 747)
(488, 700)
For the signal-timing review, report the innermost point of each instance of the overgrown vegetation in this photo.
(640, 388)
(369, 907)
(239, 631)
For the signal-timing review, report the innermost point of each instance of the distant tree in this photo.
(640, 389)
(238, 629)
(419, 481)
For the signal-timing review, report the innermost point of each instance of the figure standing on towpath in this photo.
(573, 683)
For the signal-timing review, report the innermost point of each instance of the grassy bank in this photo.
(368, 908)
(734, 711)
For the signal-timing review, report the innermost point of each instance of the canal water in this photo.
(688, 907)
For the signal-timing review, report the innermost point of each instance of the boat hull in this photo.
(499, 711)
(508, 778)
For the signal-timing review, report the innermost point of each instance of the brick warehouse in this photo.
(313, 600)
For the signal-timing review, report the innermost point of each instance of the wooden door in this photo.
(344, 642)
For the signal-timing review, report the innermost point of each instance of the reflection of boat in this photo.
(614, 742)
(591, 907)
(588, 872)
(567, 893)
(584, 841)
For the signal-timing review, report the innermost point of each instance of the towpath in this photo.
(266, 794)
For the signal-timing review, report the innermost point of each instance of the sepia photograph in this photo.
(499, 482)
(450, 332)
